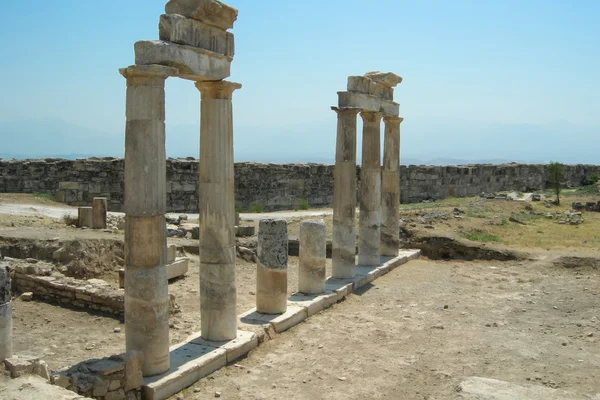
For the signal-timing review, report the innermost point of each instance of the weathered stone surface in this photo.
(275, 186)
(390, 188)
(271, 268)
(133, 361)
(84, 217)
(273, 243)
(5, 284)
(344, 195)
(386, 78)
(192, 63)
(190, 32)
(368, 103)
(312, 263)
(217, 212)
(99, 210)
(6, 328)
(212, 12)
(363, 84)
(177, 268)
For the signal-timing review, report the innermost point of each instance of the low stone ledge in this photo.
(114, 377)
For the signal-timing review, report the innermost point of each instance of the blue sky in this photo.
(515, 62)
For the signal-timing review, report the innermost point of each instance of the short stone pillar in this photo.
(312, 266)
(218, 311)
(343, 245)
(369, 228)
(84, 217)
(390, 188)
(146, 291)
(5, 313)
(99, 209)
(271, 268)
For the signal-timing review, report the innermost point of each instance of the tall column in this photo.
(343, 255)
(146, 291)
(5, 314)
(217, 212)
(369, 229)
(390, 187)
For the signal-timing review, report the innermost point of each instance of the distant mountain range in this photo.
(433, 141)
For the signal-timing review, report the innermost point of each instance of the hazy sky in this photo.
(533, 61)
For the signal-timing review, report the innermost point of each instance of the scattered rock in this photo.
(117, 330)
(217, 394)
(27, 296)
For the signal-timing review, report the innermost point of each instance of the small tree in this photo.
(556, 171)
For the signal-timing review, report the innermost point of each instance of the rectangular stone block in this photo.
(193, 63)
(178, 29)
(359, 84)
(341, 287)
(234, 349)
(314, 303)
(177, 268)
(212, 12)
(368, 103)
(189, 363)
(171, 252)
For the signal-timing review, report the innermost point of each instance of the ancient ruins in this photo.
(194, 45)
(371, 96)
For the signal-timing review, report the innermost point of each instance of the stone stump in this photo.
(85, 217)
(99, 209)
(271, 268)
(311, 270)
(5, 313)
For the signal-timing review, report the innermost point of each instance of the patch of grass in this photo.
(479, 236)
(255, 208)
(47, 196)
(301, 204)
(475, 213)
(239, 208)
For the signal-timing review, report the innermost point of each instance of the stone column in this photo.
(271, 268)
(390, 188)
(343, 254)
(146, 291)
(99, 208)
(218, 311)
(85, 217)
(5, 314)
(311, 269)
(370, 191)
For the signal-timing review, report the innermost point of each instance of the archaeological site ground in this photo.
(154, 278)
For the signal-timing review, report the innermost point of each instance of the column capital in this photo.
(217, 89)
(370, 116)
(148, 71)
(392, 119)
(349, 110)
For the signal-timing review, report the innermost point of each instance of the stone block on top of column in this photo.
(385, 78)
(193, 63)
(212, 12)
(190, 32)
(217, 89)
(368, 102)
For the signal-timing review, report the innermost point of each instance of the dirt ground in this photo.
(413, 334)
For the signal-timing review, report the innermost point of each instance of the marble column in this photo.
(146, 291)
(218, 312)
(369, 229)
(343, 255)
(5, 314)
(312, 263)
(271, 268)
(390, 188)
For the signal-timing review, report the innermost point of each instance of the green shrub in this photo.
(255, 208)
(301, 204)
(591, 180)
(239, 208)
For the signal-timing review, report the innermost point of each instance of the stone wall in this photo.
(274, 186)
